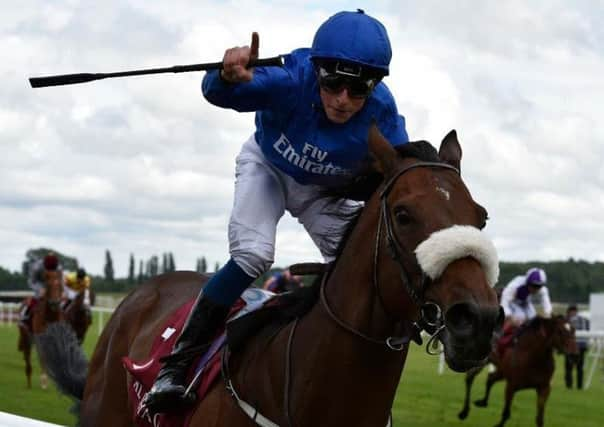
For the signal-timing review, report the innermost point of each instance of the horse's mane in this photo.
(368, 180)
(296, 304)
(366, 183)
(536, 323)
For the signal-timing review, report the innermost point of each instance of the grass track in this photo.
(425, 399)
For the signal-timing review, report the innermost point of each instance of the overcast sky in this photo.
(145, 165)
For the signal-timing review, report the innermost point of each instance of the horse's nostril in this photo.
(460, 319)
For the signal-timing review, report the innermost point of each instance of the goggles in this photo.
(335, 82)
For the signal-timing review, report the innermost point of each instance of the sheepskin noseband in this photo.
(459, 241)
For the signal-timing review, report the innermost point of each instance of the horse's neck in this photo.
(537, 340)
(44, 314)
(348, 364)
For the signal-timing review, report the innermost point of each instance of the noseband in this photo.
(431, 316)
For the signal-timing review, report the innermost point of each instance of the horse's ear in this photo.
(384, 154)
(450, 150)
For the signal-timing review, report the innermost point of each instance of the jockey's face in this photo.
(533, 289)
(340, 107)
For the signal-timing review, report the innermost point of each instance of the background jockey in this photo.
(518, 296)
(517, 301)
(36, 281)
(75, 283)
(283, 281)
(50, 262)
(313, 117)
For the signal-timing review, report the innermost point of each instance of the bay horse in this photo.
(78, 315)
(46, 310)
(528, 364)
(415, 253)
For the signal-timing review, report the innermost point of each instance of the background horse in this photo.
(46, 310)
(78, 316)
(414, 253)
(528, 364)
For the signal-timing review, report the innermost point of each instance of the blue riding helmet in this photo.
(536, 277)
(353, 37)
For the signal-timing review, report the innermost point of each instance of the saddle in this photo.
(509, 338)
(203, 371)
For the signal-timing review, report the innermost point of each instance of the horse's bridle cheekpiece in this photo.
(431, 316)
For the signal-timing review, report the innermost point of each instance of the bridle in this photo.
(53, 303)
(431, 316)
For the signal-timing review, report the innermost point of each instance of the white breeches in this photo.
(71, 294)
(262, 195)
(521, 313)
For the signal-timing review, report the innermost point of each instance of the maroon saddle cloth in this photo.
(144, 373)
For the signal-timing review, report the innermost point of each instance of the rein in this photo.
(431, 315)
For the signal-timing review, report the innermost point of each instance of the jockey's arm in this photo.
(267, 90)
(507, 296)
(546, 304)
(268, 284)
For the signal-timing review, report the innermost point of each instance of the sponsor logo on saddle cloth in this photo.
(206, 367)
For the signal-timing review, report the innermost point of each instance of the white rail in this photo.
(596, 352)
(9, 314)
(10, 420)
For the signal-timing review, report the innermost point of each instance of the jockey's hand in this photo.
(236, 59)
(514, 320)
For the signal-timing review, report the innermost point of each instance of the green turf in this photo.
(47, 405)
(424, 398)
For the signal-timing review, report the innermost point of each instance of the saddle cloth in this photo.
(144, 373)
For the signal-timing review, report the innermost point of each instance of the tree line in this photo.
(568, 281)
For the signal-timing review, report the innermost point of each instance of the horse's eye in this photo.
(402, 216)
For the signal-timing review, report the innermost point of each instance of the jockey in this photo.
(50, 262)
(516, 300)
(35, 280)
(517, 296)
(312, 120)
(75, 283)
(282, 281)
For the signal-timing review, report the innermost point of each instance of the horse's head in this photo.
(441, 267)
(53, 283)
(563, 336)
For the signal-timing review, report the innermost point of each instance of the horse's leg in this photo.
(470, 375)
(25, 347)
(491, 379)
(509, 395)
(43, 374)
(542, 395)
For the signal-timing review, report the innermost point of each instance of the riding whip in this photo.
(69, 79)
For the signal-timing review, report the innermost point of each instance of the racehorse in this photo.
(46, 310)
(414, 254)
(78, 316)
(528, 364)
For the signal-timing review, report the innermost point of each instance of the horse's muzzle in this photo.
(468, 334)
